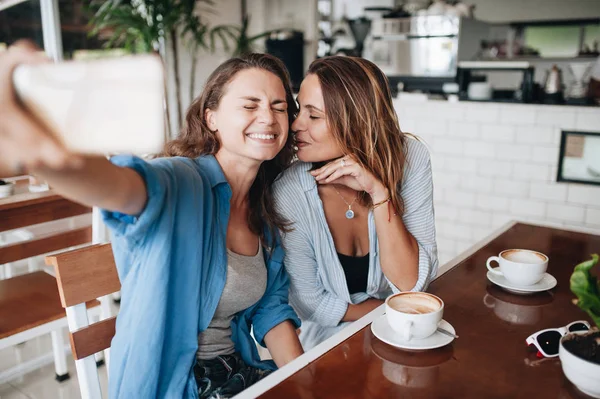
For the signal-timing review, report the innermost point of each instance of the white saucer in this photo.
(382, 330)
(546, 283)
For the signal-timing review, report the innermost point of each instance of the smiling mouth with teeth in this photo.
(262, 136)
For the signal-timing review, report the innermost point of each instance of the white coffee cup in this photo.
(521, 267)
(414, 315)
(479, 91)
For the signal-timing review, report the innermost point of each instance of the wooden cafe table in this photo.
(24, 208)
(489, 359)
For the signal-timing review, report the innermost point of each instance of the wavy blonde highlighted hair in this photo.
(361, 116)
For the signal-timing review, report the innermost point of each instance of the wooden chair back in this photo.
(82, 275)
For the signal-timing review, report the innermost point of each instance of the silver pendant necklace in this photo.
(349, 212)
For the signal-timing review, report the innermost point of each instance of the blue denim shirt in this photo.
(172, 264)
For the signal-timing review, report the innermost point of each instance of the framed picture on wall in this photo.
(579, 159)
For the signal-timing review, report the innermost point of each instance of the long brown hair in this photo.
(360, 115)
(197, 139)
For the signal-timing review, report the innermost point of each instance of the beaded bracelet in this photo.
(382, 202)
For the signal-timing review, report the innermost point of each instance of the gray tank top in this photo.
(245, 285)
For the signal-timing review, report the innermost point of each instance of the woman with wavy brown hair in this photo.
(190, 232)
(360, 200)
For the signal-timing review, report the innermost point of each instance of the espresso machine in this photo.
(423, 52)
(288, 46)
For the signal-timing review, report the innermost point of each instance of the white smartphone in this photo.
(105, 106)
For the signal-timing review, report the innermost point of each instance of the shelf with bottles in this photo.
(539, 58)
(553, 41)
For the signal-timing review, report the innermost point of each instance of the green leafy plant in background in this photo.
(198, 36)
(244, 44)
(130, 25)
(142, 26)
(198, 31)
(587, 289)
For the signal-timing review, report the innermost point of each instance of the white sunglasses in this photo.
(547, 341)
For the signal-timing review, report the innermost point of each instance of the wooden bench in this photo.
(30, 304)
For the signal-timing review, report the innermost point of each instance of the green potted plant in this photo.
(580, 352)
(243, 42)
(142, 26)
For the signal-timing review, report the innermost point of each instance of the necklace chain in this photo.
(344, 199)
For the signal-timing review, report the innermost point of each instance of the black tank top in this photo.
(356, 269)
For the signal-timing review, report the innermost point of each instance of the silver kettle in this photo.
(553, 83)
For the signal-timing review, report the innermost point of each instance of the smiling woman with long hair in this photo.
(360, 199)
(190, 231)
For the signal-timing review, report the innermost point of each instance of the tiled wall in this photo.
(493, 163)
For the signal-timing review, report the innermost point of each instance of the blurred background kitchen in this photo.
(504, 93)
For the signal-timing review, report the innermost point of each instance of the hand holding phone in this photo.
(102, 106)
(23, 142)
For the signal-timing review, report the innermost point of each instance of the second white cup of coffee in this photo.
(520, 266)
(414, 315)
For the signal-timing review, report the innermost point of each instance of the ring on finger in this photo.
(343, 162)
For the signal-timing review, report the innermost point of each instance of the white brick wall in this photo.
(511, 187)
(526, 208)
(447, 146)
(460, 164)
(513, 152)
(460, 198)
(555, 116)
(489, 168)
(476, 184)
(474, 217)
(592, 217)
(479, 149)
(477, 113)
(468, 130)
(584, 194)
(446, 212)
(445, 179)
(433, 127)
(491, 202)
(498, 133)
(493, 163)
(547, 155)
(588, 120)
(530, 172)
(566, 213)
(516, 115)
(535, 134)
(548, 191)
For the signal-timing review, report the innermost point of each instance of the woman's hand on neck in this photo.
(240, 173)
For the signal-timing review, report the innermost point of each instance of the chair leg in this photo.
(107, 359)
(32, 265)
(98, 356)
(60, 359)
(87, 372)
(8, 270)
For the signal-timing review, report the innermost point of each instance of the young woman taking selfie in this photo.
(190, 231)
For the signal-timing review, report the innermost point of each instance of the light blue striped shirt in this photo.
(318, 290)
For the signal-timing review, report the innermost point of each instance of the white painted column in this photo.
(51, 29)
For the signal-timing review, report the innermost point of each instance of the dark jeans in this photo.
(225, 376)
